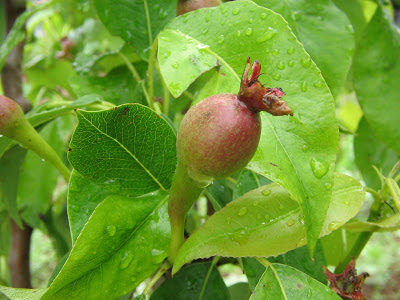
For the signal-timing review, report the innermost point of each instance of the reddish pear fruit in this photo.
(185, 6)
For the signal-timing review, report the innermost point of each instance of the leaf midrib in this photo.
(126, 149)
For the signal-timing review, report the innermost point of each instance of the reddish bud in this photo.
(11, 116)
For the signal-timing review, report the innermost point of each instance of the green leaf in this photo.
(248, 181)
(186, 65)
(289, 146)
(10, 165)
(370, 151)
(376, 79)
(191, 282)
(267, 222)
(45, 113)
(116, 87)
(17, 33)
(128, 150)
(123, 243)
(391, 223)
(26, 294)
(240, 291)
(318, 25)
(284, 282)
(83, 198)
(253, 270)
(38, 178)
(137, 22)
(219, 193)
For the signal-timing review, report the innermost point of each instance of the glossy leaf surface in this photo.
(318, 25)
(284, 282)
(128, 150)
(266, 222)
(137, 22)
(376, 79)
(191, 282)
(83, 198)
(298, 152)
(122, 244)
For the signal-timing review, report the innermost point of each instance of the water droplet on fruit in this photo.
(290, 50)
(306, 62)
(175, 65)
(111, 230)
(280, 65)
(276, 76)
(249, 31)
(236, 11)
(290, 223)
(275, 52)
(238, 33)
(334, 225)
(291, 63)
(242, 211)
(328, 186)
(266, 192)
(269, 34)
(304, 86)
(126, 260)
(221, 39)
(318, 167)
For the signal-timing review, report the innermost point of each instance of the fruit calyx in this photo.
(259, 98)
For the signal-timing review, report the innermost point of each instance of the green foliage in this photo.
(131, 70)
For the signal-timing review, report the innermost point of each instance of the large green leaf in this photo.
(376, 72)
(137, 21)
(26, 294)
(284, 282)
(297, 152)
(267, 222)
(83, 198)
(318, 25)
(191, 282)
(370, 151)
(123, 243)
(128, 150)
(391, 223)
(45, 113)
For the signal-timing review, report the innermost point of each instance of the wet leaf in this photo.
(124, 242)
(28, 294)
(128, 150)
(391, 223)
(297, 152)
(284, 282)
(267, 225)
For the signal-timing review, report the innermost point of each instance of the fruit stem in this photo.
(184, 192)
(29, 138)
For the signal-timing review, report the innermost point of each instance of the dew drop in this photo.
(318, 84)
(236, 11)
(221, 39)
(75, 208)
(328, 186)
(241, 238)
(250, 21)
(222, 22)
(304, 86)
(290, 50)
(276, 76)
(249, 31)
(111, 230)
(205, 31)
(309, 293)
(266, 192)
(280, 65)
(291, 63)
(263, 16)
(334, 225)
(242, 211)
(255, 203)
(157, 256)
(275, 52)
(269, 34)
(208, 17)
(319, 168)
(166, 54)
(304, 148)
(175, 65)
(238, 33)
(228, 220)
(306, 62)
(126, 260)
(281, 206)
(290, 223)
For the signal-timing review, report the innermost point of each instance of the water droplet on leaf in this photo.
(249, 31)
(304, 86)
(280, 65)
(318, 167)
(111, 230)
(269, 34)
(263, 16)
(328, 186)
(126, 260)
(175, 65)
(221, 39)
(334, 225)
(290, 223)
(291, 63)
(266, 192)
(290, 50)
(306, 62)
(242, 211)
(275, 52)
(235, 11)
